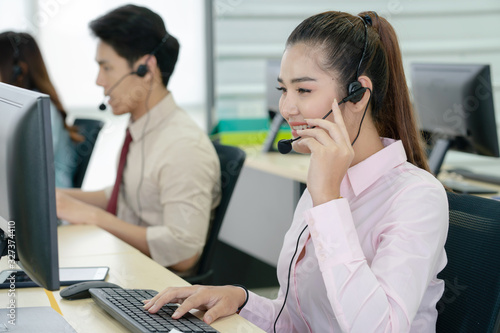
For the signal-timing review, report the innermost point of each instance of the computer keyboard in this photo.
(491, 179)
(126, 306)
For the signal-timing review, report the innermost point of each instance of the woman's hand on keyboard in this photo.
(217, 301)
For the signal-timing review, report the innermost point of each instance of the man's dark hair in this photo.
(133, 32)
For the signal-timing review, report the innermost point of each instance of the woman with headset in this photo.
(367, 239)
(22, 65)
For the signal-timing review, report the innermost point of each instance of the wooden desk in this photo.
(129, 268)
(445, 175)
(296, 166)
(292, 166)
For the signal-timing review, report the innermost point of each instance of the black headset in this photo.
(355, 92)
(16, 68)
(355, 88)
(141, 71)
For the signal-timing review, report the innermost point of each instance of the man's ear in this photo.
(150, 62)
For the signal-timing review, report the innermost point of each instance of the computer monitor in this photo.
(27, 185)
(454, 103)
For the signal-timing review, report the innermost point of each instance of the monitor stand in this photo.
(436, 159)
(437, 155)
(273, 132)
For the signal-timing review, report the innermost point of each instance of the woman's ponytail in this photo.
(397, 119)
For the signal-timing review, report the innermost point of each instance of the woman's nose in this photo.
(288, 107)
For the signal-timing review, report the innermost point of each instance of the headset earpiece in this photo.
(17, 71)
(142, 70)
(355, 92)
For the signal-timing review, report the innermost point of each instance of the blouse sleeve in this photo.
(263, 312)
(385, 294)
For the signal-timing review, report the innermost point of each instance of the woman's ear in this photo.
(366, 83)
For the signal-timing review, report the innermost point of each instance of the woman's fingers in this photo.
(219, 301)
(336, 128)
(199, 300)
(217, 311)
(339, 120)
(169, 295)
(324, 131)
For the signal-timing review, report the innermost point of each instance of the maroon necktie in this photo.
(113, 201)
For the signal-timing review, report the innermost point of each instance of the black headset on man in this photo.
(141, 71)
(355, 94)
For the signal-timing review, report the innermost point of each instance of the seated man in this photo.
(168, 179)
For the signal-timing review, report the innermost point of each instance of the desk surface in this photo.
(293, 166)
(445, 175)
(129, 268)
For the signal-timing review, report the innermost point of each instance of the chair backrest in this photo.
(90, 129)
(471, 300)
(231, 162)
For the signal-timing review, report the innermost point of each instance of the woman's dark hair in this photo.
(341, 39)
(22, 65)
(133, 32)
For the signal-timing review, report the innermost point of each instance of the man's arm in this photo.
(75, 211)
(95, 198)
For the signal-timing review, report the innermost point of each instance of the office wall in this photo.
(249, 32)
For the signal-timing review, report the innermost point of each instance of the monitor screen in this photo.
(454, 103)
(27, 184)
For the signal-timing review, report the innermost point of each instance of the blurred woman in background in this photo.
(22, 65)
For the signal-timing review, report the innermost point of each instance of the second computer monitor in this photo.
(455, 108)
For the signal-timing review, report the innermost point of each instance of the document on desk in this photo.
(41, 319)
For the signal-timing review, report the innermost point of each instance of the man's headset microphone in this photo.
(141, 71)
(355, 94)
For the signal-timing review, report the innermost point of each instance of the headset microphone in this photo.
(285, 145)
(102, 107)
(141, 72)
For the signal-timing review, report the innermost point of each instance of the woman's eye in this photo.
(302, 90)
(282, 89)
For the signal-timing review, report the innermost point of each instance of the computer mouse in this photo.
(81, 290)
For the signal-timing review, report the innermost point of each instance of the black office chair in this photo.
(471, 300)
(90, 129)
(231, 163)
